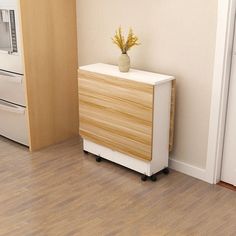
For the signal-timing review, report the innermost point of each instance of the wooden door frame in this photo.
(220, 88)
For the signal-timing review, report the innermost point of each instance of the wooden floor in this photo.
(226, 185)
(61, 191)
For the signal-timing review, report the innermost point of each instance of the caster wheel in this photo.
(98, 159)
(144, 178)
(153, 178)
(86, 152)
(166, 171)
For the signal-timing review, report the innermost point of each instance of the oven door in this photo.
(12, 88)
(13, 122)
(10, 51)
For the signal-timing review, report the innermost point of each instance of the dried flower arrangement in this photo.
(119, 40)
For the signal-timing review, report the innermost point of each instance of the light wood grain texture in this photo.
(172, 115)
(59, 191)
(116, 113)
(50, 56)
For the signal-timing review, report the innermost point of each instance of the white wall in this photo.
(178, 38)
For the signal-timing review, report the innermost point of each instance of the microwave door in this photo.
(5, 32)
(8, 40)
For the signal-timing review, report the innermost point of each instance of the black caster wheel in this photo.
(153, 178)
(98, 159)
(144, 178)
(166, 171)
(86, 152)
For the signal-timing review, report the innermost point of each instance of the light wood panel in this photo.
(59, 191)
(116, 113)
(50, 56)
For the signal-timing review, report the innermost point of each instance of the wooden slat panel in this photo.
(107, 128)
(95, 100)
(110, 80)
(117, 118)
(116, 113)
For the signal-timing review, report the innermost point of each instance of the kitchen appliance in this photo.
(13, 121)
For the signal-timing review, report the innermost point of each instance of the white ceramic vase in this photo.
(124, 62)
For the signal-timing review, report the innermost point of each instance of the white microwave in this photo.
(10, 38)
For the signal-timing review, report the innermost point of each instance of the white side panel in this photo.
(161, 127)
(13, 122)
(117, 157)
(12, 88)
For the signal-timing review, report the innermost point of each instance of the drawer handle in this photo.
(11, 108)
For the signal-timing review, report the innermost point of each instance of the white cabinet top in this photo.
(135, 75)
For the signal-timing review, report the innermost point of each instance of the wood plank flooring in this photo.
(226, 185)
(61, 191)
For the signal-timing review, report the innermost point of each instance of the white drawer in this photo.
(13, 122)
(12, 88)
(11, 62)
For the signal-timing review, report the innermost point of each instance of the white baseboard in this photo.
(188, 169)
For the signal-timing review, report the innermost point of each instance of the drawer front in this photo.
(116, 113)
(11, 62)
(12, 88)
(13, 122)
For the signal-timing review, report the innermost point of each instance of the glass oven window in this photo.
(8, 37)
